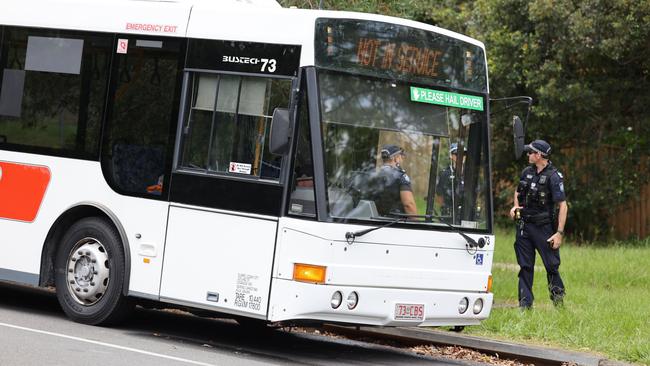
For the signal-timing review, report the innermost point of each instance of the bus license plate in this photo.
(409, 311)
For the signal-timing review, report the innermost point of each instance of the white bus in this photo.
(225, 156)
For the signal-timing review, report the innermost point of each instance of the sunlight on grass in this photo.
(606, 308)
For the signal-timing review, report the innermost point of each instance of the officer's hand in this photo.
(555, 240)
(512, 212)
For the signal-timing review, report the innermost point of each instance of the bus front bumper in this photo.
(292, 300)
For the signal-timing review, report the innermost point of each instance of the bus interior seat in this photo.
(341, 201)
(136, 167)
(302, 200)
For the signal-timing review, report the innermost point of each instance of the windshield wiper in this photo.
(470, 242)
(351, 235)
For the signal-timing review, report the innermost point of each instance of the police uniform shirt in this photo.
(444, 182)
(397, 173)
(444, 186)
(555, 187)
(393, 181)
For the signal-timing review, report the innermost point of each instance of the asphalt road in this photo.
(34, 331)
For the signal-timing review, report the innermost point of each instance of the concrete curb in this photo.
(535, 354)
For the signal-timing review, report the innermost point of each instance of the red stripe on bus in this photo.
(22, 188)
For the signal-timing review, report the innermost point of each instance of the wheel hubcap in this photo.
(88, 271)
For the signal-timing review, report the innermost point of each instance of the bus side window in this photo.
(143, 110)
(52, 90)
(302, 200)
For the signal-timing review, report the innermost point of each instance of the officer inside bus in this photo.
(395, 192)
(540, 189)
(450, 185)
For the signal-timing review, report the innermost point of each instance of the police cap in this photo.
(453, 149)
(389, 151)
(539, 146)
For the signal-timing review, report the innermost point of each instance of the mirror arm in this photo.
(522, 99)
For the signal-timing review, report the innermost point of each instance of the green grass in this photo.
(607, 306)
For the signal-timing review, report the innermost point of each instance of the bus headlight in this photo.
(353, 299)
(337, 299)
(478, 306)
(463, 305)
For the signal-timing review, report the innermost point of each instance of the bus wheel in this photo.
(90, 270)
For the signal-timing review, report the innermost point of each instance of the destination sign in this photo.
(398, 52)
(399, 57)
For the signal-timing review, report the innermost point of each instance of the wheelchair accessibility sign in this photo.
(479, 259)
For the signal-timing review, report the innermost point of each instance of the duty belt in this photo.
(537, 219)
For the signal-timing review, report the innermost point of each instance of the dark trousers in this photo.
(528, 239)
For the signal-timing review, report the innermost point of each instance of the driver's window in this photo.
(227, 129)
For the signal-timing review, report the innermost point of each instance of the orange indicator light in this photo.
(146, 260)
(489, 284)
(309, 273)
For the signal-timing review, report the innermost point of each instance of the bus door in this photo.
(137, 147)
(226, 189)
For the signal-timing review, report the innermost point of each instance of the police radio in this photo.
(521, 188)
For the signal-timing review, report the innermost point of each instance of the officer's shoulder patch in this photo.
(561, 187)
(529, 176)
(407, 179)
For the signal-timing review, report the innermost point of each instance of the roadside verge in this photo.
(526, 353)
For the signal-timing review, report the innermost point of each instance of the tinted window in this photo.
(302, 200)
(228, 125)
(53, 88)
(138, 138)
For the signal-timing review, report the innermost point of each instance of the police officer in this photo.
(450, 185)
(395, 193)
(540, 189)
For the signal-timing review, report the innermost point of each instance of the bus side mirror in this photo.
(518, 134)
(280, 126)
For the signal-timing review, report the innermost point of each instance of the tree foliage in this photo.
(586, 63)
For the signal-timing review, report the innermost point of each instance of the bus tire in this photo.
(89, 273)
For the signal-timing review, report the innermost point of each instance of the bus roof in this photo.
(238, 20)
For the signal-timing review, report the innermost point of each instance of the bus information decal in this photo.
(431, 96)
(240, 168)
(153, 28)
(247, 57)
(122, 46)
(267, 65)
(246, 292)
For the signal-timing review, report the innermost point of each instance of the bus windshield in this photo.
(379, 144)
(404, 124)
